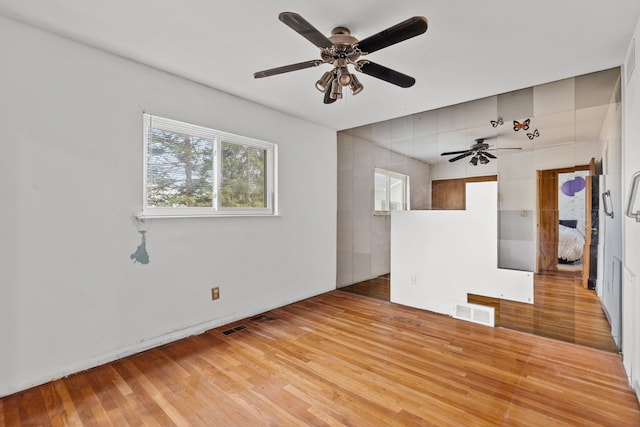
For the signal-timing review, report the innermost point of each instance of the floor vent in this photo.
(262, 318)
(234, 330)
(475, 313)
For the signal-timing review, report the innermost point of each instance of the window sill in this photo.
(144, 216)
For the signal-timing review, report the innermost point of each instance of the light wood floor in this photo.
(562, 309)
(343, 359)
(379, 288)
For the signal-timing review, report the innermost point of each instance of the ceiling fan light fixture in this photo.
(336, 90)
(323, 84)
(474, 161)
(344, 78)
(483, 159)
(355, 85)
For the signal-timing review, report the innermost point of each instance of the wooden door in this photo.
(548, 219)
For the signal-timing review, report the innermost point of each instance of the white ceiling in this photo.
(471, 50)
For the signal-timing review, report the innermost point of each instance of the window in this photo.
(195, 171)
(391, 192)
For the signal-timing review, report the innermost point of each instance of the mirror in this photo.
(539, 137)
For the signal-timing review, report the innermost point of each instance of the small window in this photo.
(195, 171)
(391, 192)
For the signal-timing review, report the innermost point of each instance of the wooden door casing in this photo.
(589, 257)
(549, 216)
(548, 220)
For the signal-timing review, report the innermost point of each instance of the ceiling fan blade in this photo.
(300, 25)
(489, 155)
(461, 156)
(287, 68)
(386, 74)
(405, 30)
(453, 152)
(504, 148)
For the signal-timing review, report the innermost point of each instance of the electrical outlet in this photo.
(413, 279)
(215, 293)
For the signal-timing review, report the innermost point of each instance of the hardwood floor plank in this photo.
(71, 416)
(87, 403)
(563, 309)
(10, 411)
(341, 359)
(378, 288)
(141, 401)
(101, 382)
(31, 409)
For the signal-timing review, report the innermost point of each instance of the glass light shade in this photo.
(324, 81)
(355, 85)
(344, 78)
(336, 90)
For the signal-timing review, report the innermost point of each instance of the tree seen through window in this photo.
(191, 170)
(179, 170)
(243, 179)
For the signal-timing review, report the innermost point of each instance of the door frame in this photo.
(588, 226)
(548, 216)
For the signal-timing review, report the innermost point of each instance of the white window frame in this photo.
(218, 137)
(405, 193)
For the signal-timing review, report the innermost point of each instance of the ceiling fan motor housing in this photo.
(342, 36)
(342, 52)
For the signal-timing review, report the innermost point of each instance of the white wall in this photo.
(71, 181)
(363, 238)
(517, 197)
(631, 228)
(517, 210)
(438, 257)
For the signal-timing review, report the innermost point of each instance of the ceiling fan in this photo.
(341, 49)
(479, 151)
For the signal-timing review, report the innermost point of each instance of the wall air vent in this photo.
(475, 313)
(630, 62)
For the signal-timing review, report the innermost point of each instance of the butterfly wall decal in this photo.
(496, 123)
(535, 134)
(521, 126)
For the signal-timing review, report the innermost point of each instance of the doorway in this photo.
(564, 219)
(572, 204)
